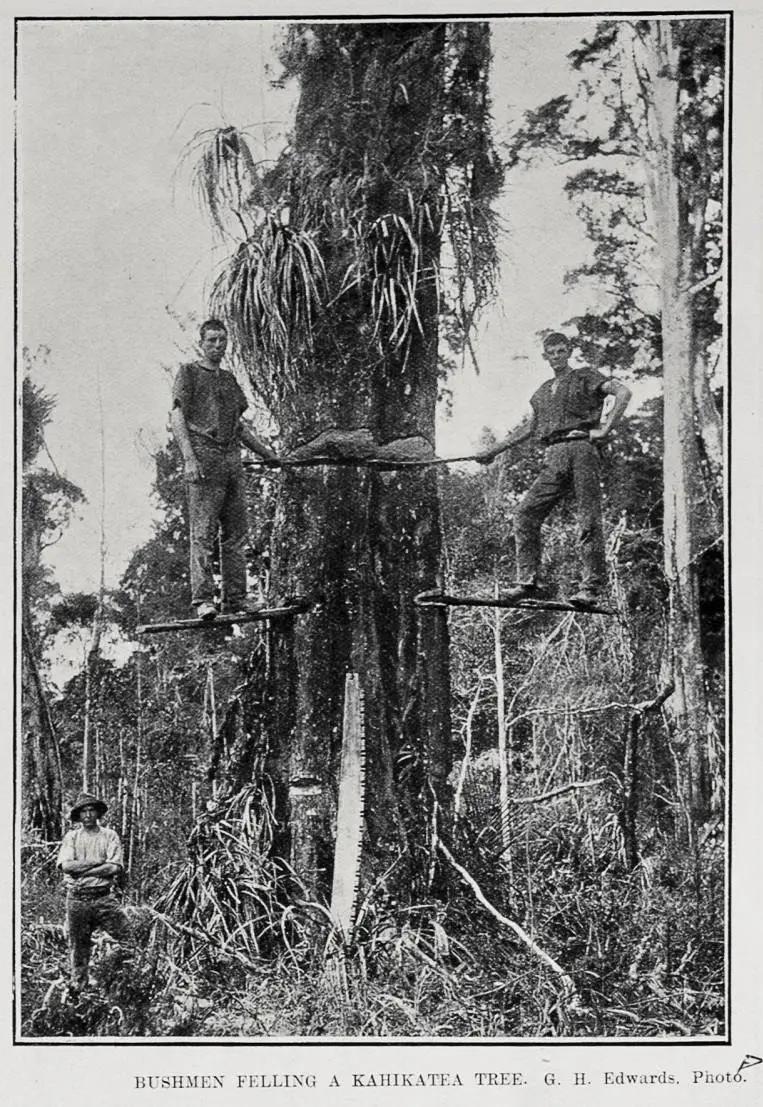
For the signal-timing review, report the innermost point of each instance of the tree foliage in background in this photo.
(47, 503)
(647, 124)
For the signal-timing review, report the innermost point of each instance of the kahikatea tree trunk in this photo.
(365, 550)
(364, 542)
(334, 299)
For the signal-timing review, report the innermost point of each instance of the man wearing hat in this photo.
(567, 416)
(90, 858)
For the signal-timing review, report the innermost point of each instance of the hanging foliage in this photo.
(368, 197)
(269, 296)
(225, 179)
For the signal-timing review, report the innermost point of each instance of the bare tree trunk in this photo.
(89, 758)
(122, 787)
(630, 803)
(135, 811)
(87, 755)
(657, 59)
(42, 774)
(97, 759)
(89, 769)
(709, 424)
(466, 762)
(708, 420)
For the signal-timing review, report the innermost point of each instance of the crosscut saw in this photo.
(349, 820)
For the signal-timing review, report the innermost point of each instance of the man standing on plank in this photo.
(90, 858)
(206, 419)
(566, 415)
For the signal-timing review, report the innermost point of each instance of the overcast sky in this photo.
(111, 238)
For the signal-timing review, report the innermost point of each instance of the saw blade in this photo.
(349, 823)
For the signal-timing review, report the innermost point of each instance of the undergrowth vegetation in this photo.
(640, 948)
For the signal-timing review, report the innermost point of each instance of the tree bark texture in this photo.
(362, 544)
(685, 523)
(41, 773)
(42, 783)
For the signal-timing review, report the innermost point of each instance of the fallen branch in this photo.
(653, 705)
(467, 752)
(704, 283)
(570, 992)
(561, 791)
(409, 945)
(578, 710)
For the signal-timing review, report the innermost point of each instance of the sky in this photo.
(115, 256)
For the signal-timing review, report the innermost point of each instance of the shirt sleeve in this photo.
(66, 850)
(182, 389)
(114, 849)
(593, 380)
(241, 399)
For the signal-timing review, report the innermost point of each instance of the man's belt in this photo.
(211, 440)
(89, 893)
(566, 436)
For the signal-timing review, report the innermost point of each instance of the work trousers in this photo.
(218, 501)
(83, 916)
(567, 467)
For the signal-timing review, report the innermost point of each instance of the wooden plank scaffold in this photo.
(288, 610)
(381, 463)
(443, 599)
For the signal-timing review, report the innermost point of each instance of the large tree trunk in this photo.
(364, 543)
(685, 520)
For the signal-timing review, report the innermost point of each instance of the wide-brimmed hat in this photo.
(85, 799)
